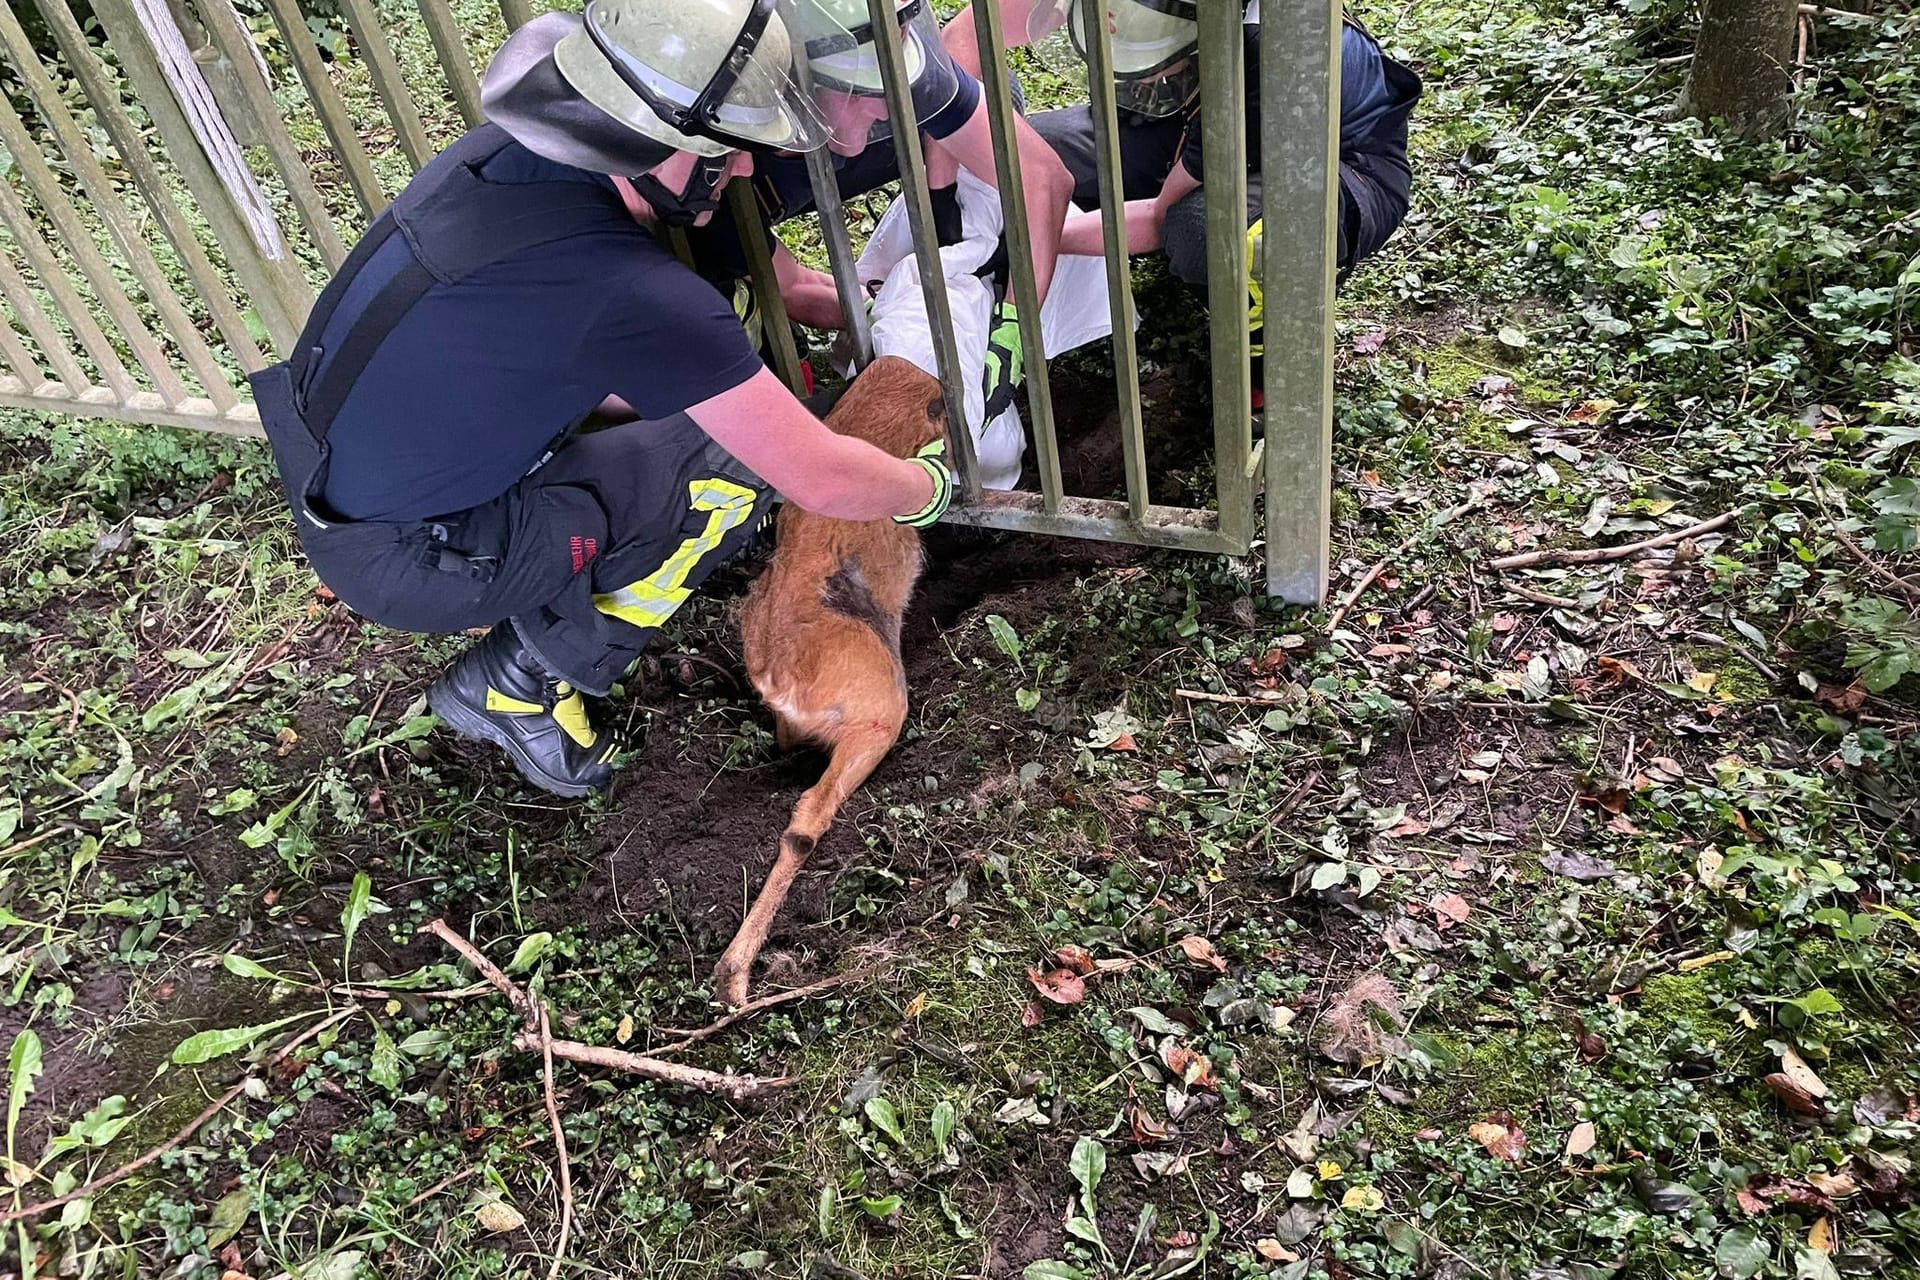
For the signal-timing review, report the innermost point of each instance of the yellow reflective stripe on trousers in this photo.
(748, 309)
(652, 600)
(1256, 293)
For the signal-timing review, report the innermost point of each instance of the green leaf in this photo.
(205, 1046)
(528, 953)
(1741, 1254)
(1051, 1269)
(1811, 1264)
(886, 1119)
(1088, 1164)
(97, 1128)
(1088, 1230)
(355, 911)
(241, 967)
(883, 1208)
(426, 1043)
(24, 1064)
(229, 1214)
(825, 1210)
(1328, 874)
(1004, 636)
(1155, 1021)
(1512, 337)
(945, 1116)
(1026, 699)
(385, 1070)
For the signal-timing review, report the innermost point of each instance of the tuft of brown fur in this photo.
(821, 631)
(1363, 1024)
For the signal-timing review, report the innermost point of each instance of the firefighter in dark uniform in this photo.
(427, 427)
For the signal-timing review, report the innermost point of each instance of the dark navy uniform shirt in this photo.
(483, 376)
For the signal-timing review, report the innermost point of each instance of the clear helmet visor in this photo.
(1146, 39)
(843, 64)
(715, 76)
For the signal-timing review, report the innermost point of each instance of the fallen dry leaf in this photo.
(1820, 1237)
(1692, 963)
(1390, 651)
(1062, 986)
(1147, 1128)
(1621, 824)
(1703, 681)
(1838, 1185)
(1849, 698)
(1195, 1069)
(624, 1032)
(1076, 958)
(1503, 1139)
(1617, 671)
(1665, 769)
(1801, 1074)
(1452, 909)
(1408, 826)
(1592, 412)
(1789, 1091)
(1582, 1139)
(915, 1007)
(1138, 803)
(1750, 1203)
(497, 1217)
(1363, 1199)
(1367, 344)
(1032, 1015)
(284, 741)
(1124, 742)
(1273, 1251)
(1201, 952)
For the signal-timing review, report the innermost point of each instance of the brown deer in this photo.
(822, 637)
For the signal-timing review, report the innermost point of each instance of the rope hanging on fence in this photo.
(203, 113)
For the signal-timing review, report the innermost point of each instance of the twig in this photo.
(1541, 597)
(689, 1038)
(486, 969)
(1598, 555)
(739, 1088)
(451, 1179)
(1721, 642)
(529, 1039)
(193, 1126)
(24, 845)
(1380, 567)
(1229, 699)
(1827, 11)
(559, 1147)
(1858, 552)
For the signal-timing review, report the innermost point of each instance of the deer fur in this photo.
(821, 631)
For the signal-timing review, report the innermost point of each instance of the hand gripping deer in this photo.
(822, 636)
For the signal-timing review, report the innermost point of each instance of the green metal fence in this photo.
(167, 239)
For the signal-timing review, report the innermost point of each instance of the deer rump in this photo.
(821, 633)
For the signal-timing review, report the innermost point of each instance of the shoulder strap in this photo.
(454, 223)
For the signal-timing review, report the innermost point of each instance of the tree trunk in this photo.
(1743, 65)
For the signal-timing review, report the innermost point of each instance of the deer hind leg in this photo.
(857, 754)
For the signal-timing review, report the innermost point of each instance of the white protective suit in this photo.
(1074, 314)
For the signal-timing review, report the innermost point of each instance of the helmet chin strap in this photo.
(683, 208)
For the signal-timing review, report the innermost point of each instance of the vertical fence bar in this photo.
(840, 257)
(1223, 105)
(376, 50)
(832, 214)
(329, 106)
(224, 24)
(78, 237)
(1300, 135)
(1013, 206)
(926, 242)
(104, 95)
(516, 13)
(455, 61)
(66, 299)
(278, 289)
(1126, 358)
(776, 330)
(41, 329)
(106, 204)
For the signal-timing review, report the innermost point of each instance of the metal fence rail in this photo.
(145, 277)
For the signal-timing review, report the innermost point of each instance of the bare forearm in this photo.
(1085, 233)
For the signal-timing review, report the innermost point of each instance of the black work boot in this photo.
(500, 693)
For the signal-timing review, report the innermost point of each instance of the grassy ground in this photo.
(1550, 922)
